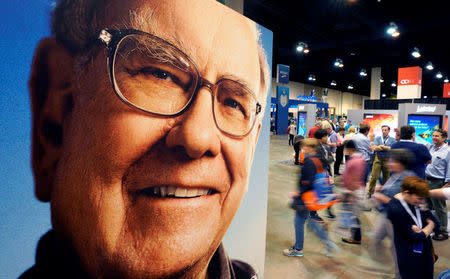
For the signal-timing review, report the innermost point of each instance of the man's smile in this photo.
(175, 192)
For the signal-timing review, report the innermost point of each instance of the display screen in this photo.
(301, 126)
(425, 125)
(375, 121)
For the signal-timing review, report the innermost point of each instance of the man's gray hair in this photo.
(76, 23)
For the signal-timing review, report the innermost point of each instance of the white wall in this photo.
(342, 101)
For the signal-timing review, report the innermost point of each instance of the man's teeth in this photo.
(179, 192)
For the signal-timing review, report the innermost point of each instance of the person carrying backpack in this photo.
(306, 184)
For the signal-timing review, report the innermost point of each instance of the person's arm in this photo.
(426, 155)
(443, 193)
(381, 198)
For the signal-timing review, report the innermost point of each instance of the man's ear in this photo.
(51, 89)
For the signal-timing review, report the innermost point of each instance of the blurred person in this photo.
(397, 164)
(437, 175)
(313, 130)
(349, 136)
(354, 182)
(339, 150)
(146, 116)
(306, 182)
(292, 132)
(348, 125)
(297, 144)
(334, 124)
(332, 143)
(412, 226)
(421, 154)
(363, 144)
(381, 146)
(324, 152)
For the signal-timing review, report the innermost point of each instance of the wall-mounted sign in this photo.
(426, 108)
(283, 73)
(307, 98)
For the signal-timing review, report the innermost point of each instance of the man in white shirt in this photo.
(437, 174)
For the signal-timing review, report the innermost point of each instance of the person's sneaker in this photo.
(351, 241)
(292, 252)
(440, 237)
(316, 218)
(331, 215)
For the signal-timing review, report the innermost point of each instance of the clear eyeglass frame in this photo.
(112, 39)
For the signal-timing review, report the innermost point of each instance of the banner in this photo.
(282, 73)
(410, 76)
(282, 109)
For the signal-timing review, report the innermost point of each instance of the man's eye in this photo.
(234, 104)
(158, 73)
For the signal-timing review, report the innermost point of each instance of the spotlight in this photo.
(312, 78)
(393, 30)
(429, 66)
(439, 75)
(393, 84)
(415, 52)
(333, 83)
(384, 95)
(350, 86)
(446, 80)
(302, 47)
(338, 63)
(363, 73)
(425, 97)
(381, 79)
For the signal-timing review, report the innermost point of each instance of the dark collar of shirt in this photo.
(54, 259)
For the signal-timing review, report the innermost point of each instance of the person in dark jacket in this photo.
(421, 154)
(412, 228)
(308, 172)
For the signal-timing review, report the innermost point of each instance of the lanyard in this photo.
(418, 219)
(385, 140)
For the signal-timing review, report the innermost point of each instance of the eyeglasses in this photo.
(156, 77)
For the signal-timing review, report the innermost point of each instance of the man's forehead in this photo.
(213, 36)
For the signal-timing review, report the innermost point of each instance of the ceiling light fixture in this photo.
(393, 84)
(350, 86)
(381, 79)
(363, 73)
(338, 63)
(302, 48)
(312, 78)
(439, 75)
(415, 53)
(429, 66)
(425, 97)
(446, 80)
(384, 95)
(393, 30)
(333, 83)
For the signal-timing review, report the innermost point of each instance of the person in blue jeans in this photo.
(306, 182)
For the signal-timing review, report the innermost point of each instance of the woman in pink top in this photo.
(354, 182)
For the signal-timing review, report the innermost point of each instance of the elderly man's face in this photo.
(113, 156)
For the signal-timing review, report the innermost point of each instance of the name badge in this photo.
(418, 247)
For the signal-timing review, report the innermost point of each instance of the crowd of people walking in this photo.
(404, 182)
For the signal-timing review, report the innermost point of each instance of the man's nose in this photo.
(196, 131)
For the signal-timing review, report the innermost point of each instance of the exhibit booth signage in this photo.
(306, 117)
(409, 84)
(424, 117)
(446, 93)
(283, 73)
(282, 114)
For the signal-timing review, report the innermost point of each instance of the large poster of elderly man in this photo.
(146, 142)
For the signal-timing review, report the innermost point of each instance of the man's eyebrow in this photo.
(238, 79)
